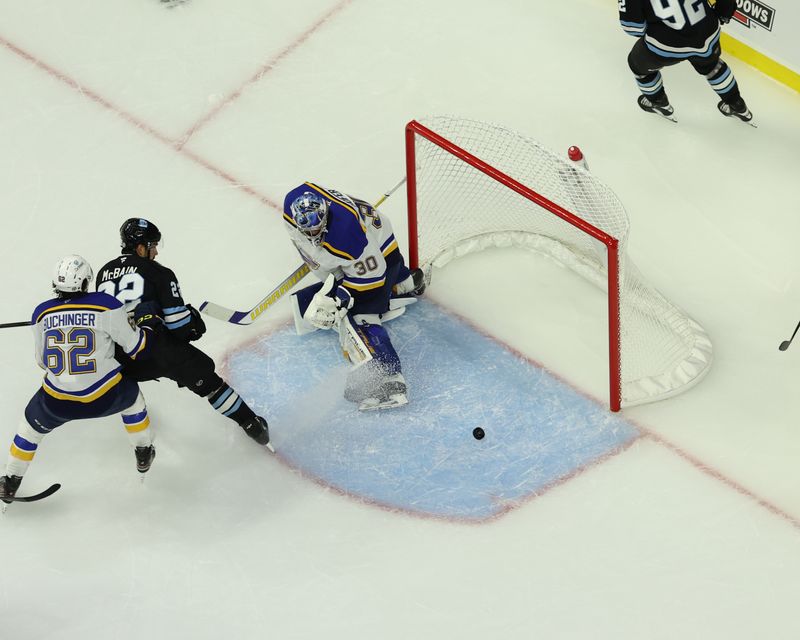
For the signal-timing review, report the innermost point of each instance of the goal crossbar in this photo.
(414, 129)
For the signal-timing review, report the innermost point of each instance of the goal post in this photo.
(473, 185)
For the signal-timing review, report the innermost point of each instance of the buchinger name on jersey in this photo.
(749, 12)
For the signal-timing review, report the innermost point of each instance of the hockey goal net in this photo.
(473, 185)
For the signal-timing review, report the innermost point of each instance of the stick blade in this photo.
(39, 496)
(223, 313)
(784, 345)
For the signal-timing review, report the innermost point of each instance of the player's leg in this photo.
(646, 67)
(193, 369)
(38, 422)
(721, 79)
(406, 281)
(376, 380)
(137, 425)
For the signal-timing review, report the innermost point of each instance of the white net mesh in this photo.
(461, 209)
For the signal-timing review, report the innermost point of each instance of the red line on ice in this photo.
(265, 69)
(179, 147)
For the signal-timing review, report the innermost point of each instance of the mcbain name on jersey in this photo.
(113, 274)
(75, 319)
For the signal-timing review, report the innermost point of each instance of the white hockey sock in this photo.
(23, 448)
(137, 423)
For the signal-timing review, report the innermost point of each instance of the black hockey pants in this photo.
(645, 64)
(174, 359)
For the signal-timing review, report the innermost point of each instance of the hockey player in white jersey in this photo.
(351, 248)
(74, 335)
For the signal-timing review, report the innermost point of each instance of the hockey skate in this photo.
(420, 282)
(414, 285)
(8, 487)
(258, 430)
(144, 458)
(390, 393)
(659, 107)
(736, 109)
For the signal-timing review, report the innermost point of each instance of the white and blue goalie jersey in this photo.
(355, 244)
(74, 341)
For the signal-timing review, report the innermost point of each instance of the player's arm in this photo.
(181, 319)
(725, 10)
(632, 18)
(133, 341)
(38, 346)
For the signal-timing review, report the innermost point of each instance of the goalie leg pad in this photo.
(363, 338)
(376, 375)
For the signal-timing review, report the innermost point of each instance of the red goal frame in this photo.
(414, 129)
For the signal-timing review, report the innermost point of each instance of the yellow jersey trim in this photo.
(335, 199)
(90, 398)
(364, 287)
(337, 252)
(390, 248)
(63, 307)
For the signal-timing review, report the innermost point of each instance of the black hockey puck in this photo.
(478, 433)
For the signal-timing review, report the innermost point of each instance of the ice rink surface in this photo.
(201, 117)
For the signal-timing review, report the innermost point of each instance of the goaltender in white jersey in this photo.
(352, 248)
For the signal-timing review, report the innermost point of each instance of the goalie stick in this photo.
(37, 496)
(248, 317)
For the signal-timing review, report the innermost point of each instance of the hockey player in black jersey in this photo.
(151, 292)
(671, 31)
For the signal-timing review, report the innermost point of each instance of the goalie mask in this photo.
(310, 213)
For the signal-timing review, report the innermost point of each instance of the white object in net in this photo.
(473, 185)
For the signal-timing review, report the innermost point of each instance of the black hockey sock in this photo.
(652, 87)
(230, 404)
(722, 81)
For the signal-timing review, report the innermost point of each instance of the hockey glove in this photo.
(725, 10)
(329, 305)
(147, 316)
(197, 327)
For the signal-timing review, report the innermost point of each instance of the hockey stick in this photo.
(785, 344)
(38, 496)
(8, 325)
(248, 317)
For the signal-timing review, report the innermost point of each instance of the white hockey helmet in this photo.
(72, 274)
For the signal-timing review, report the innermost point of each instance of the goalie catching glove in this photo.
(329, 305)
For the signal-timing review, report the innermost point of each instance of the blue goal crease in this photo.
(422, 458)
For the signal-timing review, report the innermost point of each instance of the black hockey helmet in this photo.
(136, 231)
